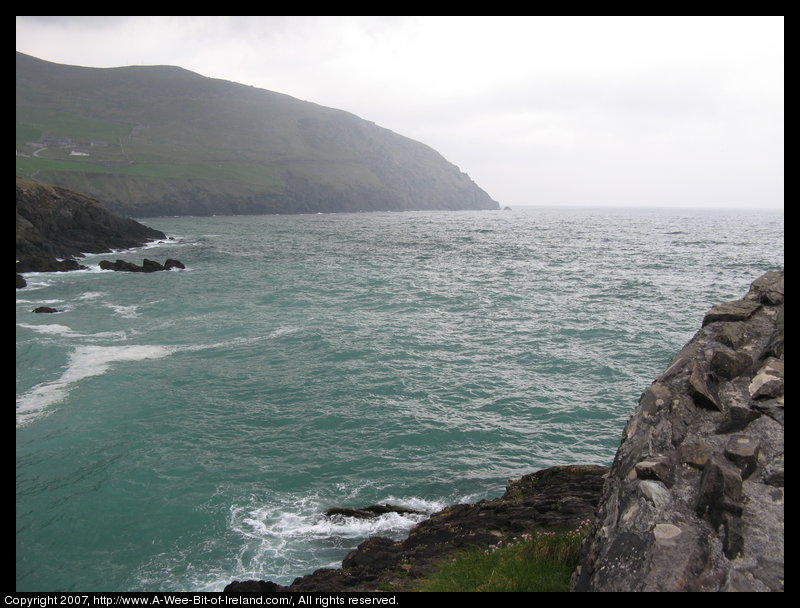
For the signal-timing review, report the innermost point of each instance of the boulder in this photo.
(170, 264)
(45, 309)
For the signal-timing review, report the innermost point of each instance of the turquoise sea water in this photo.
(179, 430)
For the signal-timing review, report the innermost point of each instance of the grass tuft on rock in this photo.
(538, 561)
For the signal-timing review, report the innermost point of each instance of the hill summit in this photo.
(161, 140)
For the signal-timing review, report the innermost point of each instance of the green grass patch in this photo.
(539, 561)
(57, 123)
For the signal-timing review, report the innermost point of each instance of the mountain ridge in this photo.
(162, 140)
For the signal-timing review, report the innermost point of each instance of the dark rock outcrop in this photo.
(54, 223)
(370, 512)
(694, 499)
(558, 498)
(147, 266)
(45, 309)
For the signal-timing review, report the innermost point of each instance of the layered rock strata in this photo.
(694, 500)
(558, 498)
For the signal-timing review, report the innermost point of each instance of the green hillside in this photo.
(160, 140)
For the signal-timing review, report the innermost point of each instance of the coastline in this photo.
(692, 502)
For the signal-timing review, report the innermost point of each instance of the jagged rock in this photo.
(151, 266)
(21, 282)
(147, 266)
(694, 499)
(170, 264)
(376, 554)
(120, 266)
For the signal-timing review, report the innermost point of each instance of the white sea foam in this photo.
(40, 302)
(84, 362)
(128, 312)
(55, 329)
(95, 360)
(303, 519)
(284, 538)
(91, 295)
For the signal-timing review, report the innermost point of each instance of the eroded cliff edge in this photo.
(694, 500)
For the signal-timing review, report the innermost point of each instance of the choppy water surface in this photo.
(178, 430)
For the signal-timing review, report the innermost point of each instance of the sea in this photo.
(179, 430)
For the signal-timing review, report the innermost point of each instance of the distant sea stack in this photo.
(160, 140)
(694, 500)
(55, 225)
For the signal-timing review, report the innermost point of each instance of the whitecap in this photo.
(303, 518)
(54, 329)
(91, 295)
(84, 362)
(127, 312)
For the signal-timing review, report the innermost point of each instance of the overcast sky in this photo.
(646, 111)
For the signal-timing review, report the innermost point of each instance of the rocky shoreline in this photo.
(558, 498)
(55, 225)
(693, 500)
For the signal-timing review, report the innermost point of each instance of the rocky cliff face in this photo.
(54, 222)
(694, 499)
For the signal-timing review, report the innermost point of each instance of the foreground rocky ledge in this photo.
(694, 500)
(559, 498)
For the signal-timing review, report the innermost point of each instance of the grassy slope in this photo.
(141, 125)
(534, 562)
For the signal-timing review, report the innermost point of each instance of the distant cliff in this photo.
(694, 500)
(54, 223)
(161, 140)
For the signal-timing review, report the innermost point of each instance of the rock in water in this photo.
(147, 266)
(694, 499)
(45, 309)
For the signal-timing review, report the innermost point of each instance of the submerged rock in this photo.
(694, 500)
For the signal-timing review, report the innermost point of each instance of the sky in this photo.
(611, 111)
